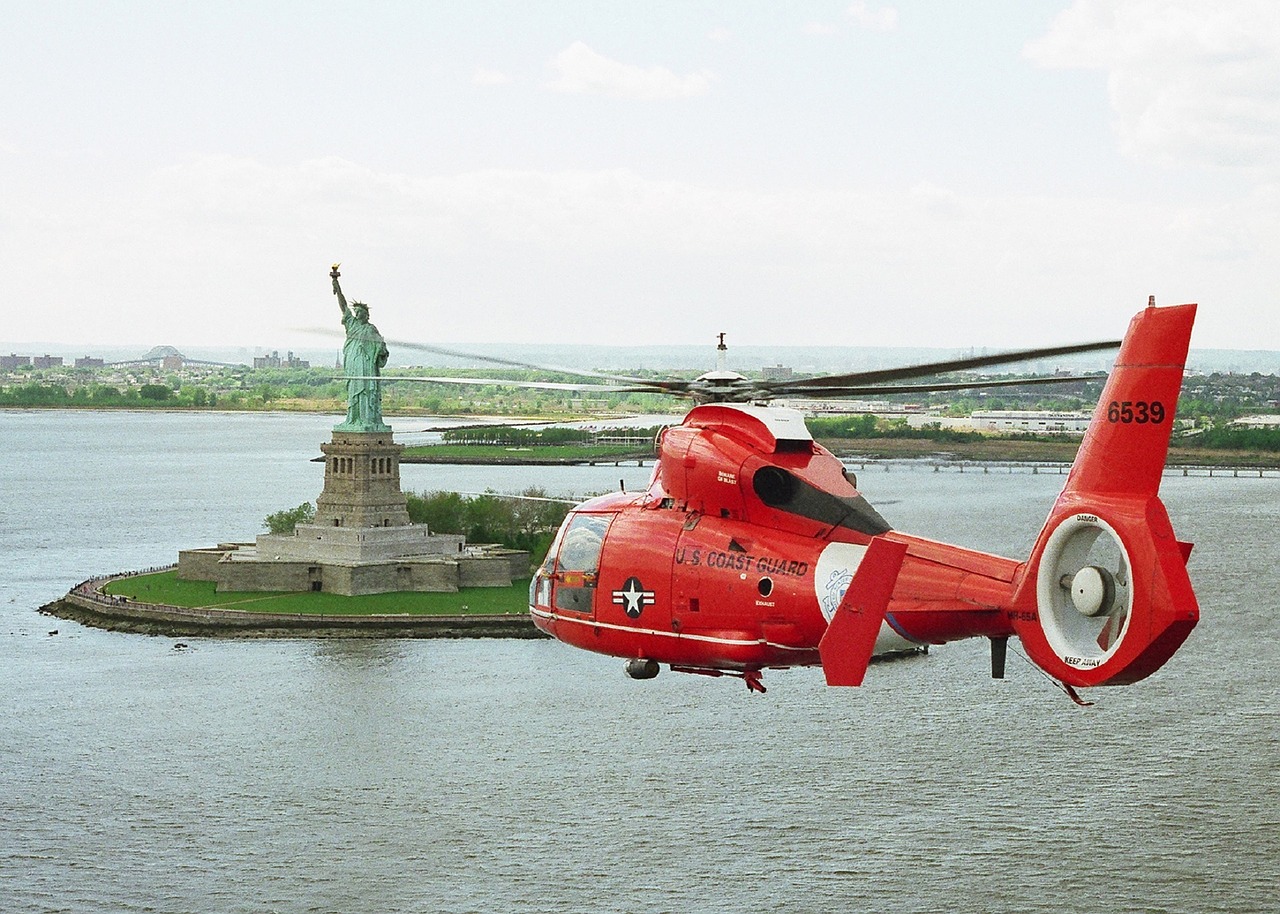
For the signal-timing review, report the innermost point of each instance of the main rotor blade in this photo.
(515, 363)
(932, 368)
(558, 501)
(506, 382)
(493, 359)
(862, 390)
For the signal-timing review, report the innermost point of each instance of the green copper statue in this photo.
(363, 355)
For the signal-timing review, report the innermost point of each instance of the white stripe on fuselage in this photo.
(707, 639)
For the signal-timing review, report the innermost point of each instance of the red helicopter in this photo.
(752, 549)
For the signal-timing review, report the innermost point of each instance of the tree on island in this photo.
(527, 522)
(285, 521)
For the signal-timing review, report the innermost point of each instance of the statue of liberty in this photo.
(363, 356)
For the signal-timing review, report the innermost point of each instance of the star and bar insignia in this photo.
(633, 597)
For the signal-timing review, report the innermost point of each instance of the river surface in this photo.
(406, 776)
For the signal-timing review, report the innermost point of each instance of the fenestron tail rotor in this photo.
(1085, 586)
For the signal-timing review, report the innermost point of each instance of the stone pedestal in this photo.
(361, 541)
(362, 482)
(317, 543)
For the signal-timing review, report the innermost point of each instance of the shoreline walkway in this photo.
(87, 604)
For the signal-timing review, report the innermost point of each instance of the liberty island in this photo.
(360, 542)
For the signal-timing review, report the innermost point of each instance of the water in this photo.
(466, 776)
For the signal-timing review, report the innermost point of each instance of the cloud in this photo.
(583, 71)
(937, 200)
(487, 77)
(861, 15)
(611, 255)
(1189, 83)
(720, 35)
(876, 19)
(820, 29)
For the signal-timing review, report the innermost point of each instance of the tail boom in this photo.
(1105, 598)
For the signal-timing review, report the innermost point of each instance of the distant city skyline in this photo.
(674, 357)
(1007, 174)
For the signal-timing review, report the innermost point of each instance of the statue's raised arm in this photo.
(337, 289)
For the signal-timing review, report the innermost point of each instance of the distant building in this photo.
(1032, 422)
(777, 372)
(47, 361)
(89, 362)
(1265, 421)
(880, 408)
(11, 361)
(172, 362)
(274, 361)
(931, 420)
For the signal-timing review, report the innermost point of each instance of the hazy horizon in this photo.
(674, 357)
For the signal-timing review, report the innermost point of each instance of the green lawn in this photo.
(165, 588)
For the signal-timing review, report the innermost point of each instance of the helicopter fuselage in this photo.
(739, 553)
(752, 548)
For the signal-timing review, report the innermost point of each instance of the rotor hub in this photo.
(1093, 591)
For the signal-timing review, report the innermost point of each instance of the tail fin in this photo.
(1105, 598)
(850, 639)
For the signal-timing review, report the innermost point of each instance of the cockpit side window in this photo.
(583, 540)
(577, 562)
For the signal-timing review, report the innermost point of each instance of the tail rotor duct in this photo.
(1084, 590)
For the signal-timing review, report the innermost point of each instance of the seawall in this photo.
(87, 605)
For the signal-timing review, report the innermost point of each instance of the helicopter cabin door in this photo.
(577, 566)
(686, 578)
(635, 579)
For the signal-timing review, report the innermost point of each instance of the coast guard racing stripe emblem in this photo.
(633, 597)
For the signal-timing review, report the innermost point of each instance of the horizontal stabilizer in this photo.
(850, 638)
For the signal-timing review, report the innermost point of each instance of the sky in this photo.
(999, 174)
